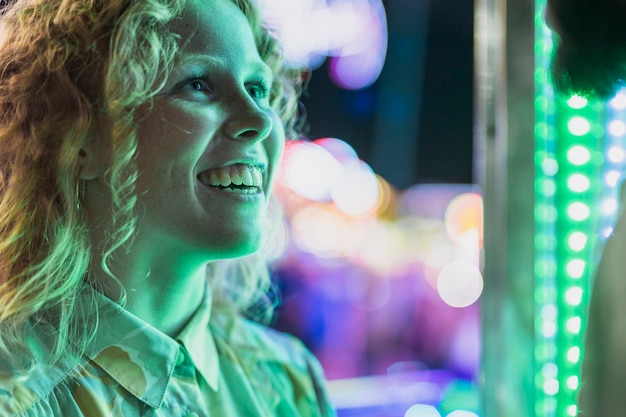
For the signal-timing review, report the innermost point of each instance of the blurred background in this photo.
(378, 256)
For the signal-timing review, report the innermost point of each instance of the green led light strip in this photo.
(568, 140)
(546, 168)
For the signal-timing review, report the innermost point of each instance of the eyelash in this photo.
(259, 84)
(262, 85)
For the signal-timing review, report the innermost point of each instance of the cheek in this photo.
(275, 145)
(164, 136)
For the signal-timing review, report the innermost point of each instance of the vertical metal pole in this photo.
(504, 148)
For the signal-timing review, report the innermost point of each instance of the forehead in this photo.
(215, 25)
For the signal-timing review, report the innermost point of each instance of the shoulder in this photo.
(275, 345)
(30, 379)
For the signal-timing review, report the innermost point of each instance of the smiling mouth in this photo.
(238, 178)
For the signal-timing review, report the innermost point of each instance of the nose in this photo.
(248, 121)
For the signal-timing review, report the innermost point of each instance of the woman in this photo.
(138, 143)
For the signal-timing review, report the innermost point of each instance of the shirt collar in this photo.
(135, 354)
(198, 340)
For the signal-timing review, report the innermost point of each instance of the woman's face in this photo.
(209, 147)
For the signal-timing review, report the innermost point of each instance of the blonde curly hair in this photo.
(62, 63)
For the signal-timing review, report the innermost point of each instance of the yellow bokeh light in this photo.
(463, 214)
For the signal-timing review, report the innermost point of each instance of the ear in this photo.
(87, 164)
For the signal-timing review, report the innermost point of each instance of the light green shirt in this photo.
(220, 367)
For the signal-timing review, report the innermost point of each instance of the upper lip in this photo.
(262, 165)
(258, 163)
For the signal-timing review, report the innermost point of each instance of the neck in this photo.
(163, 294)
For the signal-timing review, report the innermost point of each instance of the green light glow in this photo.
(547, 187)
(569, 135)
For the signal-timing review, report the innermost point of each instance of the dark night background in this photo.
(444, 134)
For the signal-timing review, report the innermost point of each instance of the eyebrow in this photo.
(204, 60)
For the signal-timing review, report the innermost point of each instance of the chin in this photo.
(244, 245)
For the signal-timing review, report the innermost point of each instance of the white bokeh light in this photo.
(550, 166)
(572, 382)
(311, 30)
(577, 241)
(578, 183)
(573, 354)
(422, 410)
(575, 268)
(462, 413)
(577, 102)
(578, 155)
(356, 191)
(609, 206)
(310, 170)
(616, 154)
(551, 387)
(573, 325)
(548, 328)
(578, 126)
(617, 128)
(460, 284)
(574, 296)
(572, 410)
(578, 211)
(618, 102)
(612, 178)
(550, 371)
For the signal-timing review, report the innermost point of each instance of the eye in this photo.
(259, 89)
(200, 85)
(194, 88)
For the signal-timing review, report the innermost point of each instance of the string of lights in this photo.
(579, 156)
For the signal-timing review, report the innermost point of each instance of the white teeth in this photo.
(246, 177)
(224, 178)
(235, 178)
(238, 175)
(257, 177)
